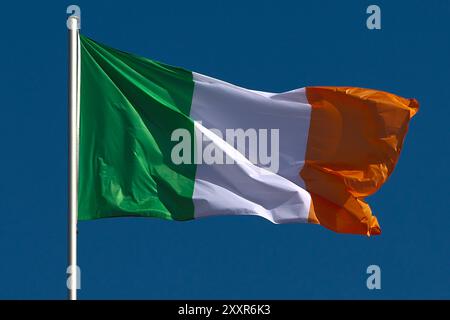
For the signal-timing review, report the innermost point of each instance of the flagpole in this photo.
(73, 278)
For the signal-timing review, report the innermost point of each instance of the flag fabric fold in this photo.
(162, 141)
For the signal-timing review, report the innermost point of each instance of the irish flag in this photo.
(161, 141)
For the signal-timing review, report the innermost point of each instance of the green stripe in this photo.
(129, 107)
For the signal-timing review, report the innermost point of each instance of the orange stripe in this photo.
(354, 142)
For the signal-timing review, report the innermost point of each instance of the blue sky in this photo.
(264, 45)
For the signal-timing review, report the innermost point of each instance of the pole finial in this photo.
(75, 14)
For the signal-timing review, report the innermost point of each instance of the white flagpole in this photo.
(74, 68)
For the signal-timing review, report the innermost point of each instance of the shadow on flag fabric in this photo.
(161, 141)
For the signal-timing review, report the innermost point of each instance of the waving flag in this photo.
(161, 141)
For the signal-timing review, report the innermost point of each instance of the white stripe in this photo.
(243, 187)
